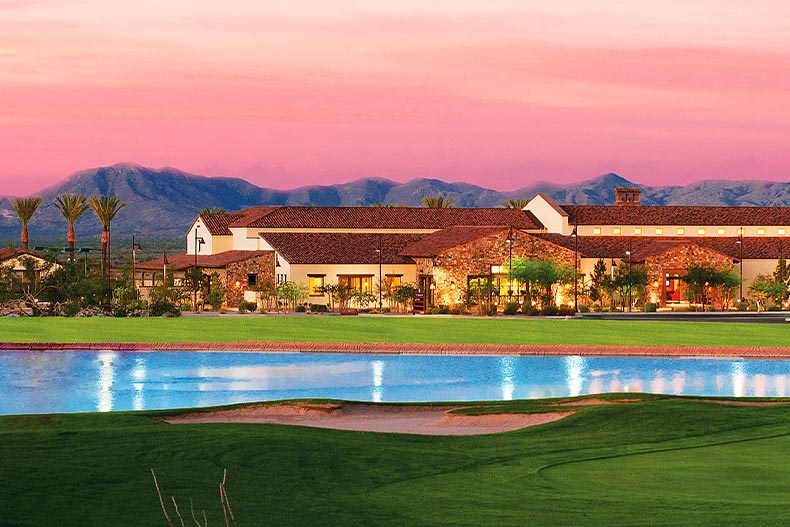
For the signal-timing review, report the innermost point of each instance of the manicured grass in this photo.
(392, 330)
(659, 462)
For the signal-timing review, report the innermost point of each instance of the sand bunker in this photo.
(426, 420)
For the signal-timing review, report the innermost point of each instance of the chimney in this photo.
(626, 196)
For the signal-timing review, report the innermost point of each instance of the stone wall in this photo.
(234, 276)
(678, 259)
(451, 268)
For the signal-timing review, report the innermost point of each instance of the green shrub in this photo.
(319, 308)
(584, 308)
(530, 310)
(550, 311)
(300, 309)
(458, 309)
(492, 311)
(650, 307)
(245, 307)
(741, 306)
(511, 308)
(566, 311)
(163, 308)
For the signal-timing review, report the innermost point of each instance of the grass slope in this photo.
(663, 462)
(392, 330)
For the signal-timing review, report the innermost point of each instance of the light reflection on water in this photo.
(106, 381)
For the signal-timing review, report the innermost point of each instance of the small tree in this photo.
(629, 282)
(547, 275)
(216, 292)
(765, 287)
(600, 282)
(291, 294)
(403, 295)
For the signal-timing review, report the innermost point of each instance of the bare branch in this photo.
(177, 513)
(161, 501)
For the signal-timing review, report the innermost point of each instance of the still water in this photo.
(112, 381)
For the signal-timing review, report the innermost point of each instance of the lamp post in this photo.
(739, 242)
(509, 242)
(575, 235)
(628, 253)
(198, 242)
(381, 284)
(135, 247)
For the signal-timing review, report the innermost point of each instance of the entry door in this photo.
(672, 287)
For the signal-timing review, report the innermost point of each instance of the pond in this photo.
(84, 381)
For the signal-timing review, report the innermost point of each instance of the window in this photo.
(740, 231)
(315, 284)
(252, 279)
(638, 230)
(780, 232)
(363, 283)
(596, 230)
(720, 232)
(393, 281)
(680, 232)
(282, 278)
(761, 232)
(659, 231)
(617, 230)
(701, 232)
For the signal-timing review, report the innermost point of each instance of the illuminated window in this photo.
(596, 230)
(315, 284)
(761, 232)
(638, 230)
(617, 230)
(780, 232)
(680, 232)
(357, 282)
(393, 281)
(659, 231)
(496, 269)
(740, 230)
(701, 232)
(720, 232)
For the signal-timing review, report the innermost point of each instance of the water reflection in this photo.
(106, 376)
(575, 368)
(109, 381)
(378, 377)
(507, 366)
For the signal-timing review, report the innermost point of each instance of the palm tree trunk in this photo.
(105, 235)
(71, 238)
(25, 237)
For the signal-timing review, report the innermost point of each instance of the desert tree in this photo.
(514, 203)
(25, 208)
(71, 207)
(437, 202)
(106, 208)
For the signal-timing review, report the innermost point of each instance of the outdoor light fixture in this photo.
(381, 305)
(575, 235)
(630, 305)
(135, 247)
(739, 242)
(198, 242)
(452, 286)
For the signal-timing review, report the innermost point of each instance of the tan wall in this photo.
(689, 231)
(552, 220)
(299, 272)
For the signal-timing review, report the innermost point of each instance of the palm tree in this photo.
(25, 208)
(72, 206)
(514, 203)
(213, 210)
(106, 208)
(437, 202)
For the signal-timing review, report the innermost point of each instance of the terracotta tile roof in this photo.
(7, 253)
(340, 248)
(388, 218)
(676, 215)
(642, 247)
(440, 241)
(179, 262)
(218, 224)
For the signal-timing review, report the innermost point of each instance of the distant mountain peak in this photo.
(162, 202)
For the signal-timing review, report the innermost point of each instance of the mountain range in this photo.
(161, 203)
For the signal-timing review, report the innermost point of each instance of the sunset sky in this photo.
(501, 93)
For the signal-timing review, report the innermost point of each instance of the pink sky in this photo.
(501, 93)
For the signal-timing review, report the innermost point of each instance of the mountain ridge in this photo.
(163, 202)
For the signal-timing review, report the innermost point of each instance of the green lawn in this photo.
(392, 329)
(662, 462)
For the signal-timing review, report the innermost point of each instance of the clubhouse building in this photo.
(444, 250)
